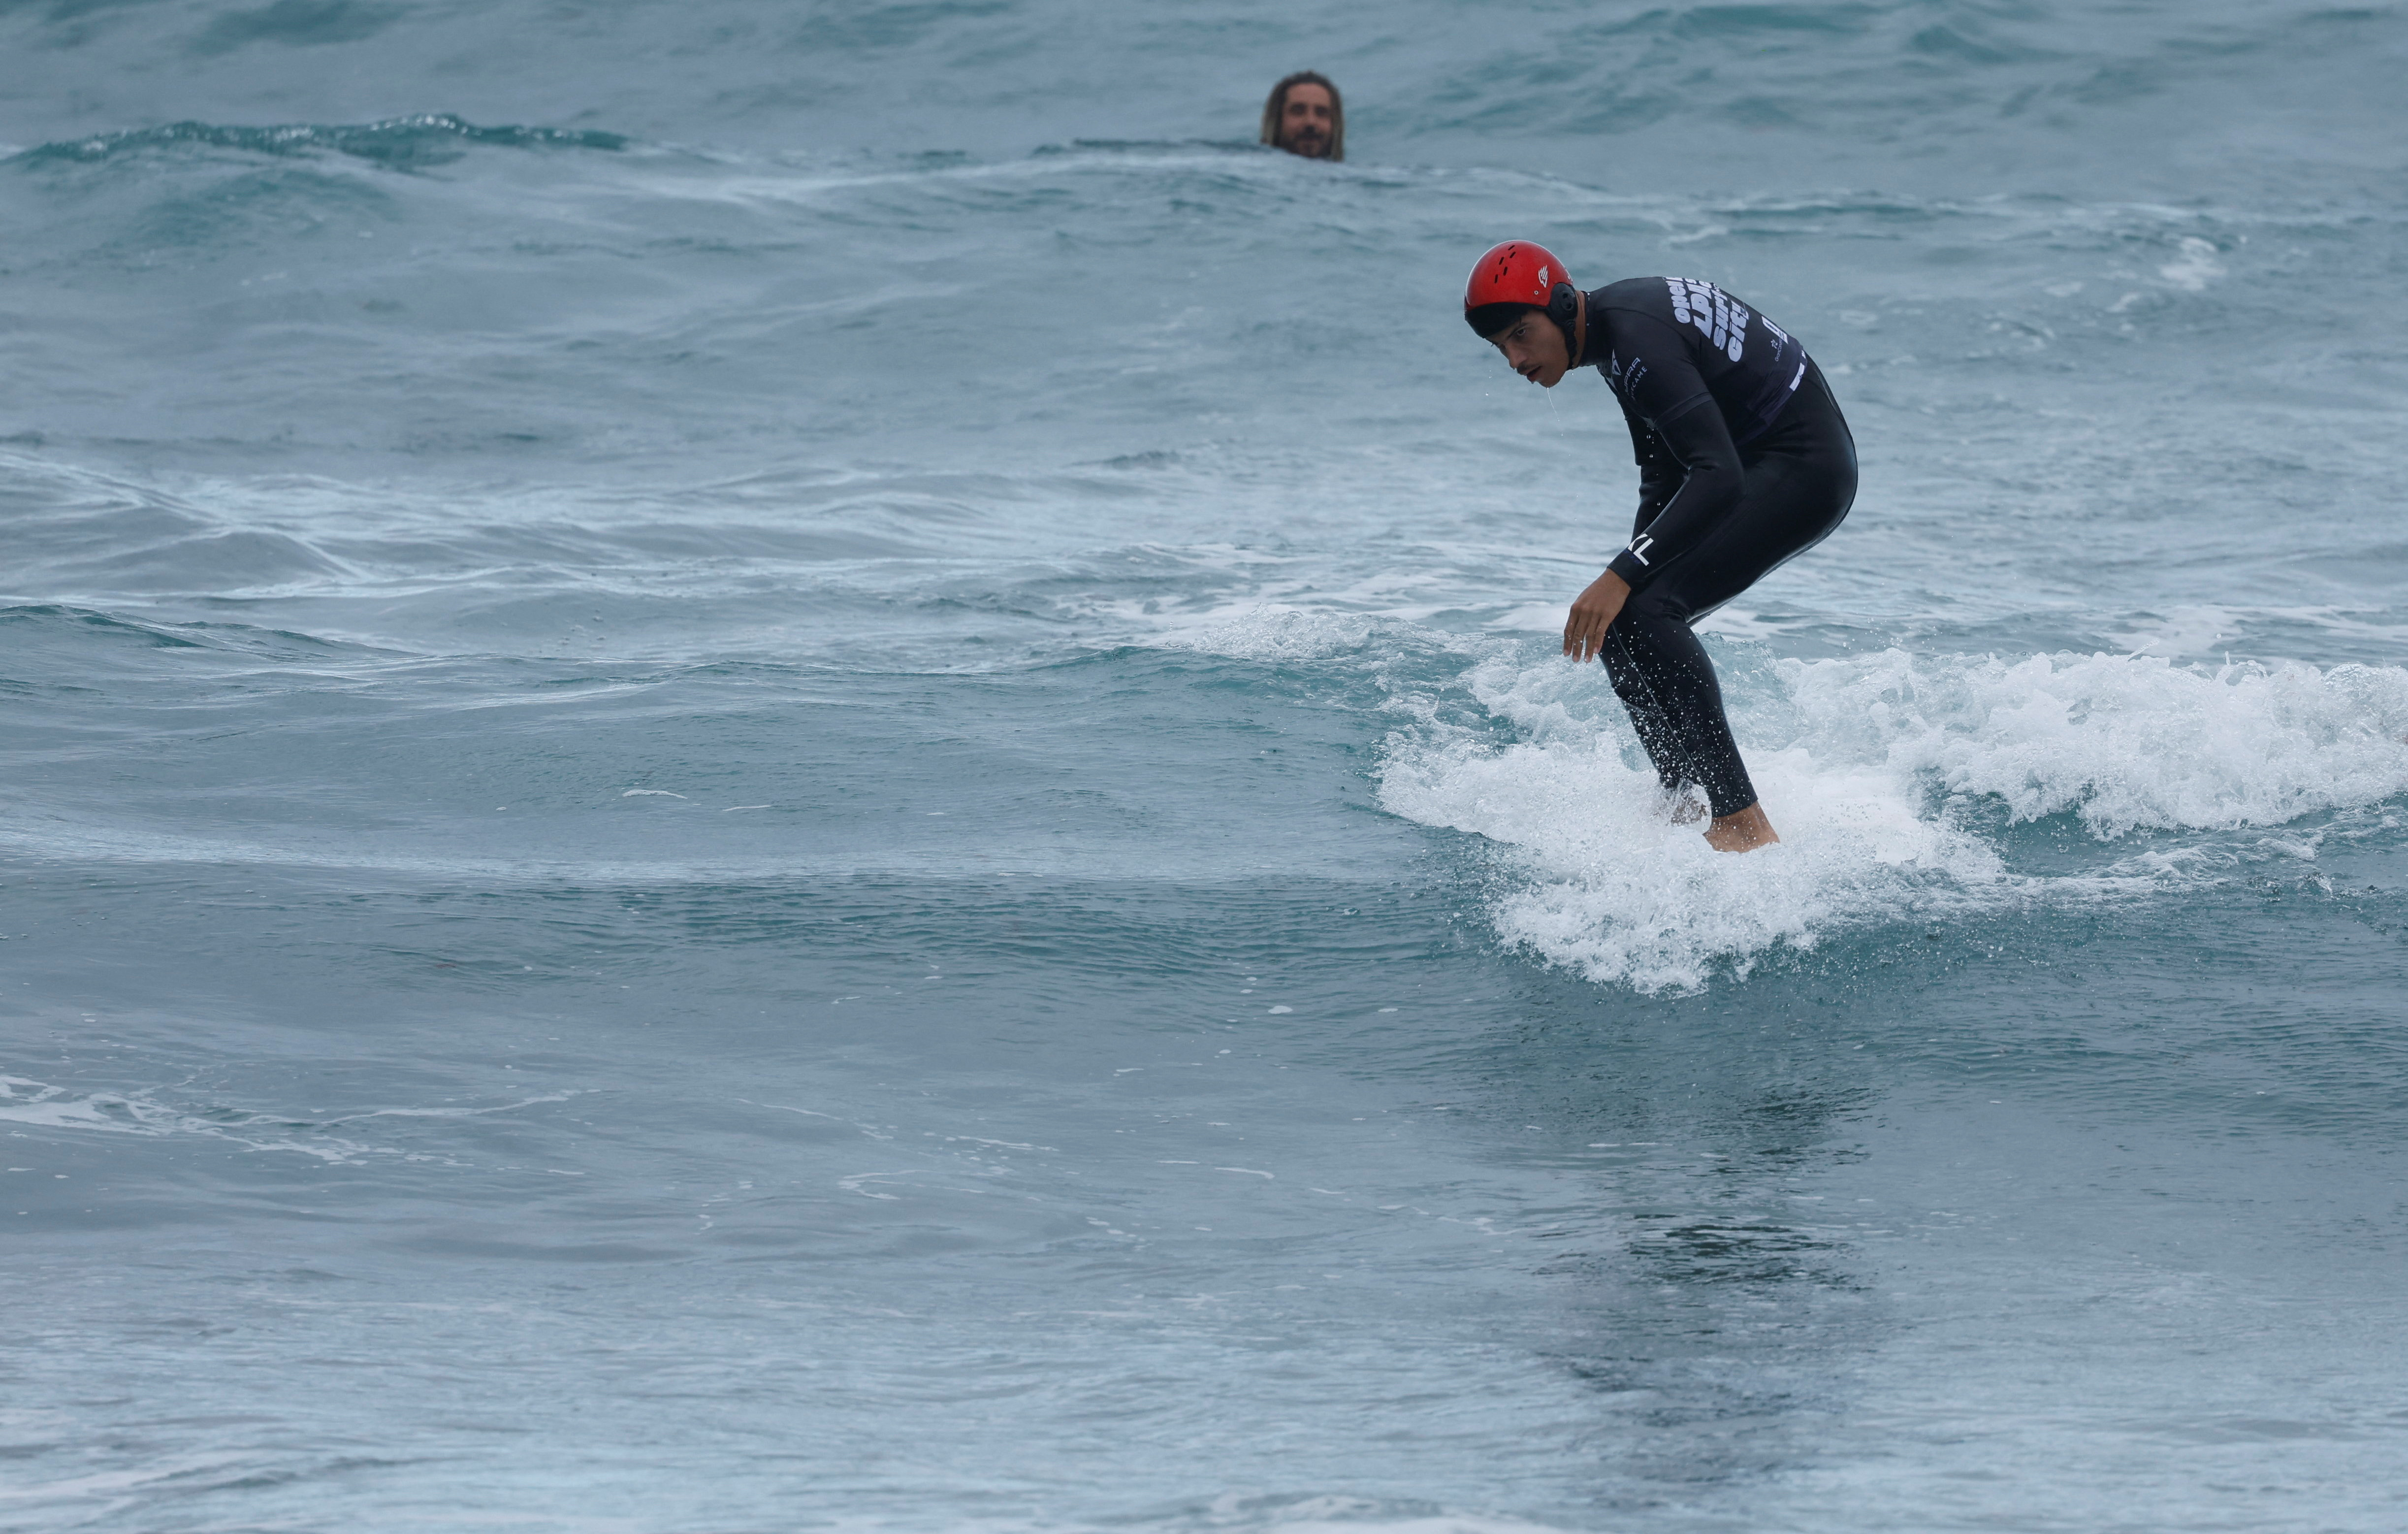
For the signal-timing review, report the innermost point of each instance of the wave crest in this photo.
(2123, 742)
(1877, 770)
(425, 138)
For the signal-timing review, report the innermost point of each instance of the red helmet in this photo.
(1519, 271)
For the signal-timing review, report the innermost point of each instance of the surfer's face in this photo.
(1535, 348)
(1305, 121)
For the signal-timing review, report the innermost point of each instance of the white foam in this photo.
(39, 1104)
(2195, 630)
(29, 1102)
(2195, 267)
(1273, 632)
(1872, 767)
(1530, 617)
(1608, 886)
(1345, 1514)
(2123, 741)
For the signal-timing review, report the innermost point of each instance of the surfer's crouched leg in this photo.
(1801, 478)
(1663, 677)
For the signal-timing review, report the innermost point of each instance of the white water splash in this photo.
(1872, 767)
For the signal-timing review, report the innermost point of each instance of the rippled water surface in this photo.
(786, 766)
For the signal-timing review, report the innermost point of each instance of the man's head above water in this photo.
(1305, 116)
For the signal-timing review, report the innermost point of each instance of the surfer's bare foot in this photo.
(1741, 832)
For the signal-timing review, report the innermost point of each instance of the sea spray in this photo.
(1887, 762)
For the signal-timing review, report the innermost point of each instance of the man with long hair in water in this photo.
(1304, 116)
(1744, 462)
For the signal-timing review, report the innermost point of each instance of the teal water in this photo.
(785, 768)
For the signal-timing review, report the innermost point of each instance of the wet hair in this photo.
(1276, 107)
(1490, 321)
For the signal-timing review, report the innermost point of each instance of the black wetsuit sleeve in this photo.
(1659, 476)
(1688, 428)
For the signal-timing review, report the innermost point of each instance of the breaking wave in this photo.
(1892, 778)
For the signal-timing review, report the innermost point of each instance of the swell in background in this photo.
(803, 762)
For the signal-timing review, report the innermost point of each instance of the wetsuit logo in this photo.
(1624, 375)
(1722, 318)
(1639, 547)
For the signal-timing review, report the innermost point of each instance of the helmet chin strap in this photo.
(1579, 336)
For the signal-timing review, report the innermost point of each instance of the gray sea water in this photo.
(780, 767)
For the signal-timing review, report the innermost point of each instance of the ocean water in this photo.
(799, 767)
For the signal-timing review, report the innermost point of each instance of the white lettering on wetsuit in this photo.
(1639, 547)
(1625, 376)
(1722, 318)
(1663, 338)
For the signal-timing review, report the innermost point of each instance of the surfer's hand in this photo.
(1594, 611)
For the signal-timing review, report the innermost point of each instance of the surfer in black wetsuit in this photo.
(1744, 462)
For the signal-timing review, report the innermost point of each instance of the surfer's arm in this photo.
(1659, 475)
(1593, 609)
(1698, 443)
(1694, 476)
